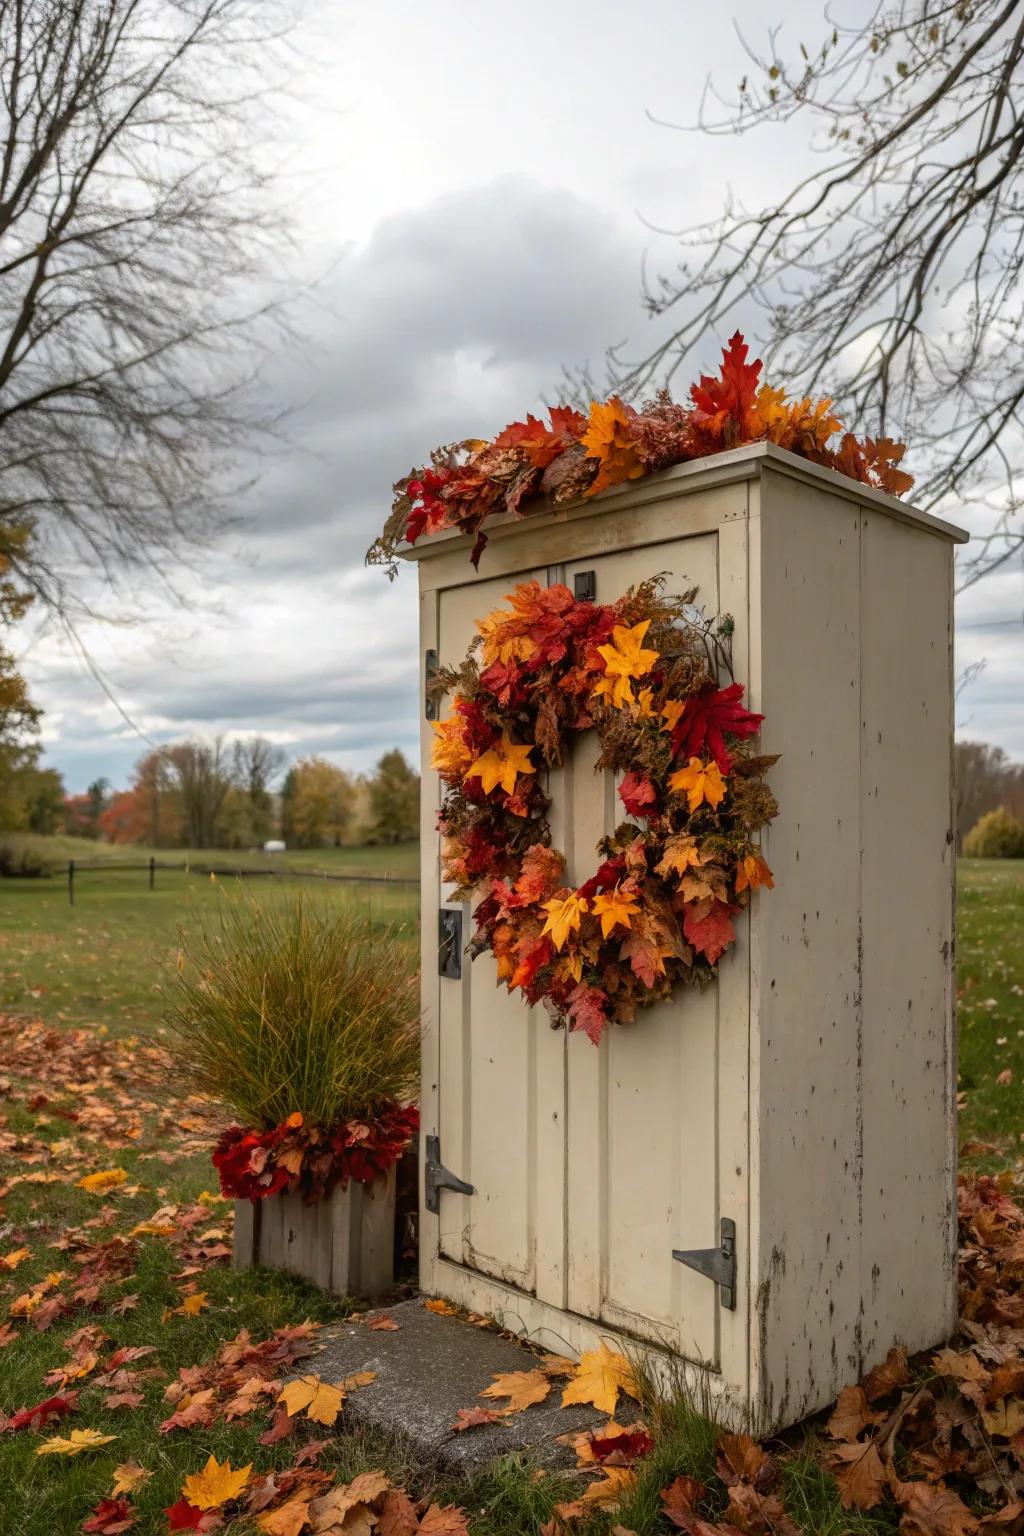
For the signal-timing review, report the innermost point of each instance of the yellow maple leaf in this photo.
(670, 713)
(190, 1307)
(501, 764)
(320, 1401)
(12, 1260)
(624, 659)
(520, 1387)
(614, 907)
(700, 782)
(564, 916)
(215, 1484)
(609, 439)
(645, 708)
(99, 1183)
(449, 753)
(79, 1440)
(128, 1477)
(600, 1377)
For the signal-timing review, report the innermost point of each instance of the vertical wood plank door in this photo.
(589, 1164)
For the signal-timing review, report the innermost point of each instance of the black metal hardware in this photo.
(438, 1177)
(718, 1264)
(431, 702)
(449, 943)
(584, 586)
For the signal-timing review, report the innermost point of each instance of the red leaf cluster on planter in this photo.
(313, 1160)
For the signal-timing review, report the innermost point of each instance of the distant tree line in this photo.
(203, 794)
(989, 800)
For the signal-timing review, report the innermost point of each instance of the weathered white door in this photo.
(589, 1164)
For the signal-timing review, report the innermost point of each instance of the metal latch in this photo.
(431, 702)
(449, 942)
(438, 1177)
(584, 586)
(718, 1264)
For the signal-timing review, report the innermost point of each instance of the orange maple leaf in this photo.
(609, 439)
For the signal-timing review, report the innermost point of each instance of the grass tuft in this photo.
(294, 1007)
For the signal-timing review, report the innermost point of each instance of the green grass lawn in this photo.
(990, 1014)
(397, 860)
(101, 960)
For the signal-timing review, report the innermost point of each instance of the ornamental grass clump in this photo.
(295, 1011)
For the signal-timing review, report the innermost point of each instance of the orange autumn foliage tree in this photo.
(577, 455)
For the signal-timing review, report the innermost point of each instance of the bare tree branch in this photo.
(138, 235)
(892, 272)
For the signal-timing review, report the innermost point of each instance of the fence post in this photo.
(152, 871)
(71, 881)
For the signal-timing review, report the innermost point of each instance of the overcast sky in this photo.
(481, 184)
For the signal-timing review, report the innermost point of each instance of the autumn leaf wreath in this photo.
(644, 673)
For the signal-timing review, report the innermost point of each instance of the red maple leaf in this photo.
(110, 1517)
(625, 1448)
(588, 1011)
(708, 927)
(733, 393)
(183, 1516)
(542, 444)
(706, 720)
(638, 794)
(45, 1413)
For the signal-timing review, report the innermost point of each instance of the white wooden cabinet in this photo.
(808, 1095)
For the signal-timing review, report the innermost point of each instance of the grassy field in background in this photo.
(990, 1014)
(400, 859)
(102, 960)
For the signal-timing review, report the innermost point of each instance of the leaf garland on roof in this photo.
(573, 456)
(659, 908)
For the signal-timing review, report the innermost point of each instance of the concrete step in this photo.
(429, 1369)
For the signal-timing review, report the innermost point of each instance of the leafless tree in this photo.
(890, 275)
(202, 779)
(137, 220)
(256, 763)
(985, 780)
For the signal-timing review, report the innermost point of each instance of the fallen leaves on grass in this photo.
(100, 1183)
(110, 1517)
(319, 1400)
(215, 1485)
(129, 1477)
(79, 1440)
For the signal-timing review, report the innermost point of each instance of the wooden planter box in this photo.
(344, 1244)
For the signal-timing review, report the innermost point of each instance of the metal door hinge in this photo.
(449, 942)
(719, 1264)
(438, 1177)
(431, 702)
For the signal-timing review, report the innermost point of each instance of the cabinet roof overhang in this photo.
(745, 463)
